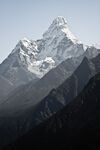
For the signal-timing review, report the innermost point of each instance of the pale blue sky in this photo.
(30, 18)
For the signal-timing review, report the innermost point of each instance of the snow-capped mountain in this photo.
(33, 59)
(57, 44)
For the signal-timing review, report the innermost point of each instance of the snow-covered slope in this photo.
(38, 57)
(57, 44)
(58, 41)
(15, 66)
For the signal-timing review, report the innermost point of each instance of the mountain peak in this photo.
(26, 45)
(57, 44)
(59, 21)
(24, 40)
(59, 28)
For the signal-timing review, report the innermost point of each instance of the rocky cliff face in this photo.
(75, 127)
